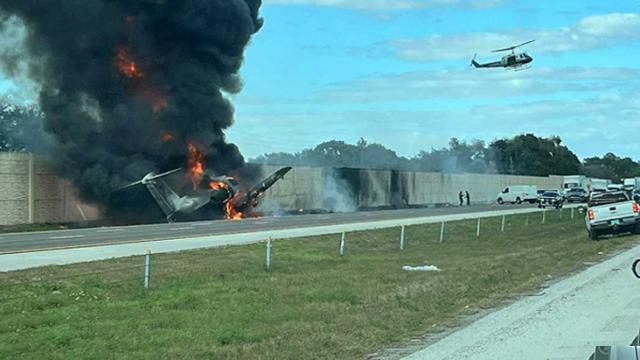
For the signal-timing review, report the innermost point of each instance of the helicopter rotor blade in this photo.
(524, 43)
(504, 49)
(513, 47)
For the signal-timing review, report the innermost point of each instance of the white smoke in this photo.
(338, 196)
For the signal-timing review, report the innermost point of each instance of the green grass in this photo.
(221, 303)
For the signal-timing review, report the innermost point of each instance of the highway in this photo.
(102, 236)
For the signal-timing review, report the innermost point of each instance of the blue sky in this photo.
(397, 72)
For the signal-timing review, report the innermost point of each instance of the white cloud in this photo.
(588, 126)
(472, 83)
(591, 32)
(390, 4)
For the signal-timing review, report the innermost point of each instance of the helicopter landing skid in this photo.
(521, 68)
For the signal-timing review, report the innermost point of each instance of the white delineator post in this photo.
(478, 228)
(147, 268)
(342, 243)
(544, 215)
(442, 232)
(402, 237)
(502, 226)
(572, 213)
(526, 220)
(269, 254)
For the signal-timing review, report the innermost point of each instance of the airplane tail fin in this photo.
(474, 63)
(161, 192)
(148, 177)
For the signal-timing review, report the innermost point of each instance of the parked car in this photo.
(550, 198)
(576, 195)
(516, 194)
(612, 213)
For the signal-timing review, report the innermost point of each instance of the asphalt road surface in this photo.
(76, 238)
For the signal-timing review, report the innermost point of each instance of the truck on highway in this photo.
(583, 182)
(598, 185)
(612, 213)
(575, 182)
(516, 194)
(631, 184)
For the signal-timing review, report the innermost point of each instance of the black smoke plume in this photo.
(128, 84)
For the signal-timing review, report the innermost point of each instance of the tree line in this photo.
(526, 154)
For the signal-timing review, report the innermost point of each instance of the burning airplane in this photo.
(209, 191)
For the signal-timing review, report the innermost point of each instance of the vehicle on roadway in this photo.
(550, 198)
(517, 194)
(631, 184)
(612, 213)
(615, 187)
(576, 195)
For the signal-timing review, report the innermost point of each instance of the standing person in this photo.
(468, 198)
(461, 197)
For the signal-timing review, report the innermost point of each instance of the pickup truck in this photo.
(550, 198)
(612, 212)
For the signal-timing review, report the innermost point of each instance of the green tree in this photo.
(21, 128)
(528, 154)
(611, 167)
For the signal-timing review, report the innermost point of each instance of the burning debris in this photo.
(223, 190)
(133, 86)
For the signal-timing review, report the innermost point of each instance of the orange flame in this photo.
(125, 63)
(195, 165)
(167, 137)
(142, 85)
(232, 213)
(195, 168)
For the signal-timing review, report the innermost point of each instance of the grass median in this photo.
(222, 302)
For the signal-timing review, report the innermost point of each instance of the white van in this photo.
(516, 194)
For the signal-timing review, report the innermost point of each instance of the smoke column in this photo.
(126, 85)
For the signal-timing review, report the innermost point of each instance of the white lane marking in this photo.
(182, 228)
(109, 230)
(65, 237)
(202, 224)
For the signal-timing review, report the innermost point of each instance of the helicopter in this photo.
(514, 61)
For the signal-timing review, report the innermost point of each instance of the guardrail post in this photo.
(402, 238)
(147, 269)
(442, 232)
(502, 226)
(544, 215)
(478, 228)
(269, 253)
